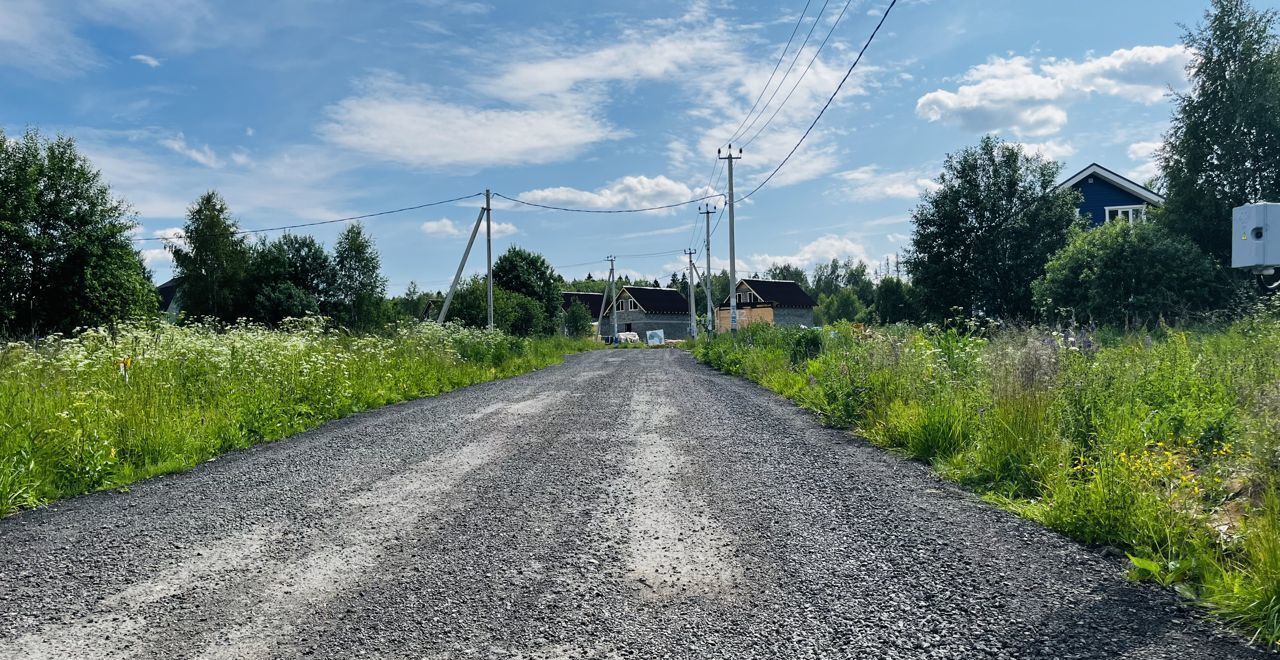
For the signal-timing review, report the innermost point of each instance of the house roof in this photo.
(167, 291)
(1128, 185)
(593, 301)
(781, 293)
(658, 301)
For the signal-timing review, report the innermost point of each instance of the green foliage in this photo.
(528, 274)
(1127, 275)
(577, 322)
(789, 272)
(895, 301)
(292, 277)
(1221, 147)
(843, 305)
(1165, 447)
(413, 304)
(985, 233)
(102, 409)
(830, 278)
(66, 259)
(357, 300)
(211, 262)
(513, 313)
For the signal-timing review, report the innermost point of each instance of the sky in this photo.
(307, 110)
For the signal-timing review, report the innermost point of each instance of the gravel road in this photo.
(624, 504)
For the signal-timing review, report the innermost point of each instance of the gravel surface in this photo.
(625, 504)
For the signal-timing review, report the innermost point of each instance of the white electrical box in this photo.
(1255, 237)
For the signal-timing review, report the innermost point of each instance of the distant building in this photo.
(776, 302)
(1107, 195)
(640, 309)
(592, 301)
(169, 302)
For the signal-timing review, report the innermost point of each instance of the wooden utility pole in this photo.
(706, 212)
(733, 260)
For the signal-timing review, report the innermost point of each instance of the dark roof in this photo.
(166, 292)
(658, 301)
(1122, 182)
(593, 301)
(782, 293)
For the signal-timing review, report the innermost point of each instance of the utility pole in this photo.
(444, 309)
(693, 314)
(733, 259)
(613, 313)
(488, 240)
(706, 212)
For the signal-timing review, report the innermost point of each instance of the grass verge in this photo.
(1166, 446)
(103, 409)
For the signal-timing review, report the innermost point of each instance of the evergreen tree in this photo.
(211, 262)
(895, 301)
(1223, 147)
(66, 258)
(358, 300)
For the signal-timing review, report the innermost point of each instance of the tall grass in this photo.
(102, 409)
(1165, 446)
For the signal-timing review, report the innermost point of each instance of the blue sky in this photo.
(300, 110)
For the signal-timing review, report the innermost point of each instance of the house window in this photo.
(1129, 214)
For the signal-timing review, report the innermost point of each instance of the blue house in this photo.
(1107, 195)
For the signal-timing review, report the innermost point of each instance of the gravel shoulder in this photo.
(623, 504)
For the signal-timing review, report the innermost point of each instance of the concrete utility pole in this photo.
(444, 309)
(693, 315)
(610, 299)
(488, 240)
(706, 212)
(733, 259)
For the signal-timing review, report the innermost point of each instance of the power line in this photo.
(802, 75)
(792, 66)
(326, 222)
(827, 104)
(781, 56)
(649, 254)
(572, 210)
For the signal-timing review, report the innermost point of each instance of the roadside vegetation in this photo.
(105, 408)
(1119, 382)
(1164, 445)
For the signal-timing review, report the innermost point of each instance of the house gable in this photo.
(1103, 190)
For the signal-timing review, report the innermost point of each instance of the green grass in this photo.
(1164, 445)
(103, 409)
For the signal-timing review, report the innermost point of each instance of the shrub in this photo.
(1132, 275)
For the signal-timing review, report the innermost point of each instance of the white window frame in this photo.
(1131, 212)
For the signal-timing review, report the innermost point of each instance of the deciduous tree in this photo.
(66, 258)
(985, 233)
(1223, 146)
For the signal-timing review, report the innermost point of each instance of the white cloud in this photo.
(629, 192)
(146, 59)
(1144, 172)
(441, 227)
(869, 183)
(898, 238)
(1028, 97)
(1144, 150)
(248, 131)
(396, 121)
(1050, 149)
(820, 250)
(152, 257)
(446, 228)
(203, 154)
